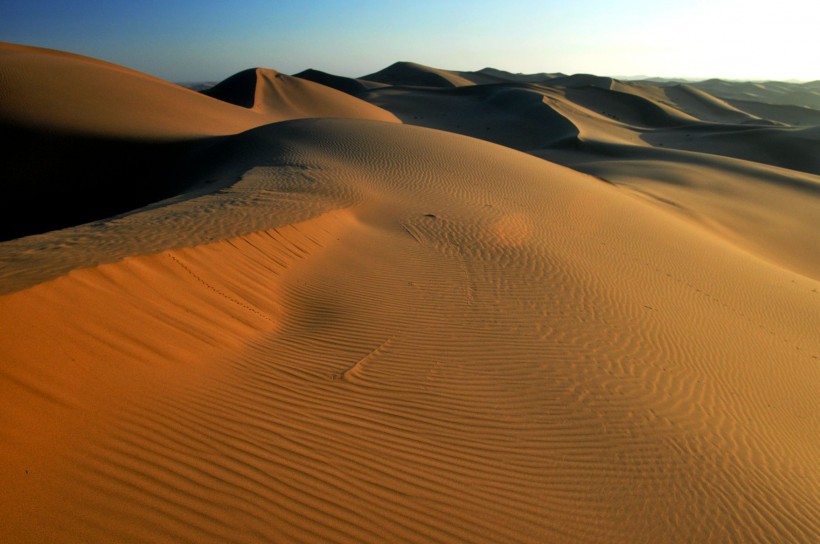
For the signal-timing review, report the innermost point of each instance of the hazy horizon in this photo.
(180, 40)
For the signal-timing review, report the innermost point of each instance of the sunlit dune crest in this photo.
(538, 309)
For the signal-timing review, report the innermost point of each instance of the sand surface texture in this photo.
(357, 330)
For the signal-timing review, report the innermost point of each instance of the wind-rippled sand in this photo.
(376, 332)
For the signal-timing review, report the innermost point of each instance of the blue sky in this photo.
(185, 40)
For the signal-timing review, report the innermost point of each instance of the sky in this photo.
(205, 40)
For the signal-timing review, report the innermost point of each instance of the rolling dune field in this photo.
(441, 307)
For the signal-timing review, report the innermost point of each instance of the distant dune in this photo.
(769, 92)
(326, 324)
(626, 133)
(513, 116)
(410, 73)
(283, 97)
(86, 139)
(787, 114)
(345, 84)
(504, 76)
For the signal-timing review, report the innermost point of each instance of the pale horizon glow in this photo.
(183, 40)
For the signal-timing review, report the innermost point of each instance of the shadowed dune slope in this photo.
(503, 75)
(417, 75)
(582, 80)
(347, 85)
(706, 107)
(787, 114)
(770, 92)
(794, 148)
(529, 117)
(684, 102)
(511, 115)
(390, 333)
(523, 116)
(630, 108)
(678, 145)
(765, 210)
(284, 97)
(53, 180)
(67, 93)
(85, 139)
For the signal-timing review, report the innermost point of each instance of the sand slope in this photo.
(505, 76)
(706, 107)
(56, 91)
(794, 148)
(68, 122)
(676, 144)
(762, 209)
(352, 330)
(477, 346)
(283, 97)
(63, 92)
(347, 85)
(514, 116)
(769, 92)
(418, 75)
(786, 114)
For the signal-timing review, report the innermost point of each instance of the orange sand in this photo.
(376, 332)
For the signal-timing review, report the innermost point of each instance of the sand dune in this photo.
(629, 108)
(513, 116)
(633, 134)
(582, 80)
(55, 91)
(413, 74)
(769, 92)
(417, 75)
(789, 115)
(760, 208)
(347, 85)
(351, 330)
(281, 97)
(706, 107)
(504, 76)
(62, 92)
(786, 147)
(85, 139)
(626, 114)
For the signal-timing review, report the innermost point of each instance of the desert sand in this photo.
(435, 307)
